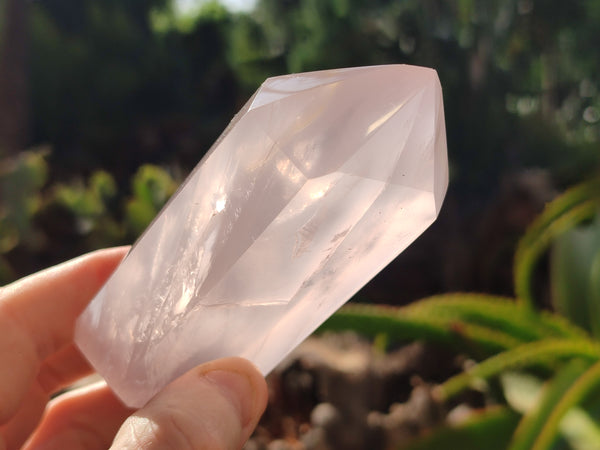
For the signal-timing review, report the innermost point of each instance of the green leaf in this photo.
(580, 430)
(499, 313)
(80, 200)
(21, 179)
(559, 206)
(534, 421)
(35, 167)
(573, 207)
(521, 390)
(595, 290)
(139, 215)
(573, 275)
(575, 387)
(478, 324)
(370, 320)
(528, 256)
(153, 185)
(489, 430)
(103, 185)
(9, 236)
(549, 351)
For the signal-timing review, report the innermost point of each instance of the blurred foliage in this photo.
(152, 187)
(117, 85)
(574, 207)
(557, 354)
(87, 213)
(519, 77)
(21, 179)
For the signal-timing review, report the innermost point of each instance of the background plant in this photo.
(111, 86)
(520, 349)
(41, 222)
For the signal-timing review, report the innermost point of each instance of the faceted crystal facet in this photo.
(317, 184)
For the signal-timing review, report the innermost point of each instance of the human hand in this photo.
(216, 405)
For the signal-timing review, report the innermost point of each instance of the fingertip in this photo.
(215, 405)
(242, 383)
(102, 262)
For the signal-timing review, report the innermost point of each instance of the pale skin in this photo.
(214, 406)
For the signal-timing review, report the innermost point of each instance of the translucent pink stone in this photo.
(317, 184)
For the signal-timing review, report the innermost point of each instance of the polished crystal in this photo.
(317, 184)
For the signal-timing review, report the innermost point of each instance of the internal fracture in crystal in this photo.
(317, 184)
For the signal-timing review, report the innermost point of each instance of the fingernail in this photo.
(238, 389)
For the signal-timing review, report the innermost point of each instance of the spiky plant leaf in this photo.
(399, 325)
(573, 207)
(527, 355)
(499, 313)
(476, 324)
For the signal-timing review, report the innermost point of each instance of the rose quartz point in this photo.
(319, 182)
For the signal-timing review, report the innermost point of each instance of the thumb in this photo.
(214, 406)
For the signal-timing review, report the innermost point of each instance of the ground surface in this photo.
(340, 392)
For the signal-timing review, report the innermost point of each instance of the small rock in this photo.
(324, 415)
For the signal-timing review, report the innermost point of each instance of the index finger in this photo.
(37, 318)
